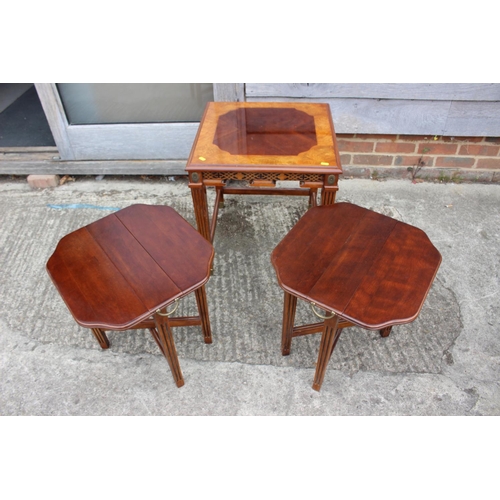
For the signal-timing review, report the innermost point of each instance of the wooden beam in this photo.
(268, 191)
(54, 112)
(420, 91)
(229, 92)
(19, 164)
(411, 117)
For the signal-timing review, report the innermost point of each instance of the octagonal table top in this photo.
(366, 267)
(117, 271)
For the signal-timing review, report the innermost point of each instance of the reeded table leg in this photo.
(201, 301)
(289, 307)
(385, 331)
(200, 204)
(328, 339)
(167, 341)
(313, 198)
(335, 340)
(101, 337)
(221, 196)
(329, 191)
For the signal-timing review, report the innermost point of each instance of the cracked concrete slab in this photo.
(445, 363)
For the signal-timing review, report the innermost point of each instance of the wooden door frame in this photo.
(159, 141)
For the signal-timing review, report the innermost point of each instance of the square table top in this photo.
(277, 136)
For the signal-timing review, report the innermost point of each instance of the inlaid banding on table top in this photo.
(281, 135)
(262, 143)
(268, 176)
(265, 131)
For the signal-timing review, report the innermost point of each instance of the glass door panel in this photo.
(113, 103)
(129, 121)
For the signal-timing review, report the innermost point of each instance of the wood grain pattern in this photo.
(117, 271)
(262, 143)
(48, 163)
(101, 338)
(420, 91)
(206, 154)
(409, 117)
(372, 116)
(368, 268)
(229, 92)
(165, 340)
(201, 302)
(474, 119)
(200, 204)
(58, 123)
(289, 308)
(328, 340)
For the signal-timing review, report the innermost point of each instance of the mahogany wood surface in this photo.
(116, 272)
(262, 143)
(122, 272)
(367, 268)
(329, 339)
(235, 134)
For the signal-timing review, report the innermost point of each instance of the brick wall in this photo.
(441, 158)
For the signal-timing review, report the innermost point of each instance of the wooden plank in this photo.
(92, 304)
(144, 276)
(31, 156)
(371, 116)
(137, 167)
(421, 91)
(174, 245)
(29, 149)
(229, 92)
(54, 111)
(473, 119)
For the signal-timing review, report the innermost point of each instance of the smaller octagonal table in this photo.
(124, 271)
(262, 143)
(364, 268)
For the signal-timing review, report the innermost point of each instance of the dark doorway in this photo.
(22, 119)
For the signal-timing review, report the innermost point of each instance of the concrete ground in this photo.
(445, 363)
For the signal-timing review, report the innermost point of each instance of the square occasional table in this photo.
(261, 143)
